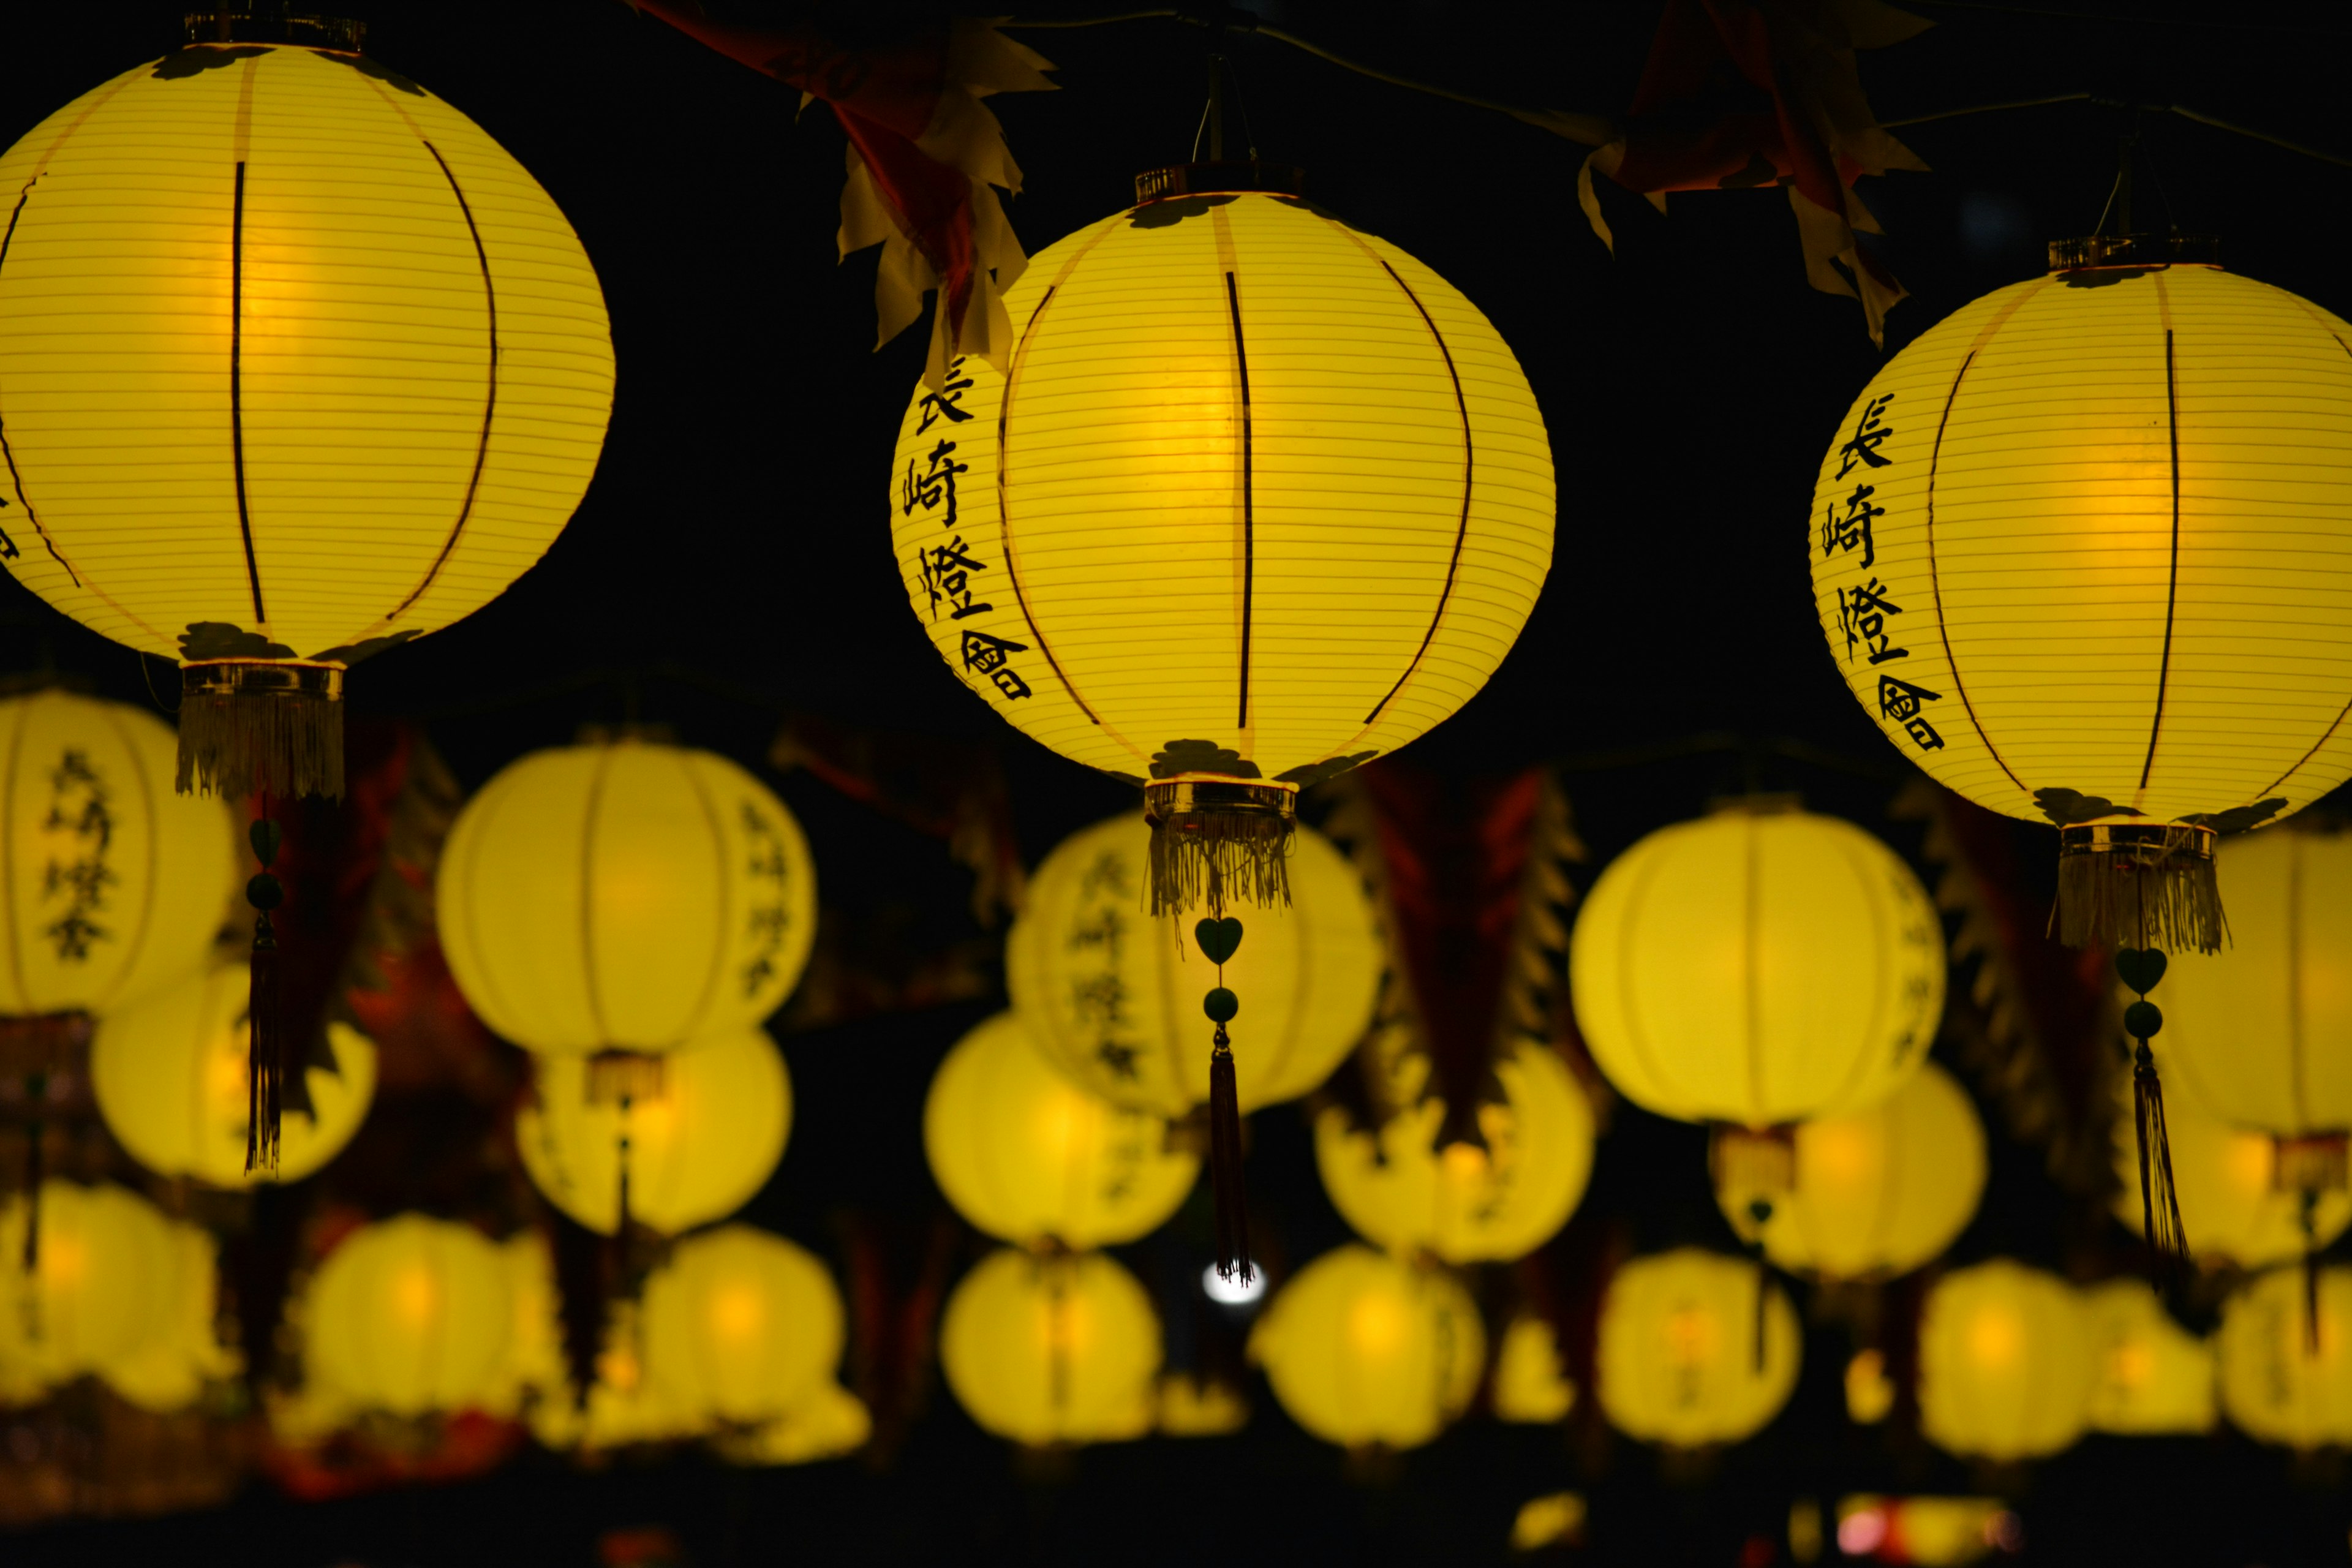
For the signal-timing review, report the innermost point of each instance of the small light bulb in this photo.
(1235, 1291)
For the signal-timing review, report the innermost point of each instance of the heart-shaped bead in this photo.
(1219, 939)
(2141, 967)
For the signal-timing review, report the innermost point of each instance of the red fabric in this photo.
(470, 1444)
(884, 95)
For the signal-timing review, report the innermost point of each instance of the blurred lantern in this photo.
(624, 896)
(2154, 1376)
(169, 1369)
(359, 355)
(1257, 498)
(2008, 1359)
(1876, 1191)
(2261, 1036)
(1027, 1156)
(410, 1316)
(626, 1405)
(533, 1369)
(741, 1326)
(1556, 1519)
(2286, 1370)
(1530, 1385)
(1050, 1349)
(1363, 1349)
(1193, 1407)
(832, 1424)
(1942, 1532)
(170, 1077)
(1466, 1204)
(1681, 1361)
(696, 1146)
(98, 1295)
(1869, 1392)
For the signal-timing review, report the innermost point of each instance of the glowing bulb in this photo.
(1995, 1338)
(1376, 1325)
(737, 1313)
(416, 1295)
(1235, 1291)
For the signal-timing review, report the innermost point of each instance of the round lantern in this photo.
(1052, 1349)
(534, 1368)
(1530, 1385)
(832, 1424)
(741, 1326)
(2008, 1360)
(1254, 497)
(169, 1369)
(411, 1315)
(2154, 1376)
(1464, 1204)
(626, 896)
(1365, 1350)
(1761, 965)
(697, 1148)
(2079, 549)
(626, 1403)
(114, 888)
(359, 354)
(1112, 997)
(1028, 1156)
(97, 1295)
(1873, 1193)
(1678, 1360)
(2285, 1378)
(169, 1076)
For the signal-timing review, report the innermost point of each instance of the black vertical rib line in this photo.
(1003, 509)
(1935, 584)
(17, 480)
(1469, 461)
(236, 391)
(489, 399)
(1249, 505)
(2342, 713)
(2172, 583)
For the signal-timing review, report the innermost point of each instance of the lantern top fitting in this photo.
(338, 34)
(1221, 176)
(2134, 251)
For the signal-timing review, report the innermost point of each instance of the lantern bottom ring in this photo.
(251, 727)
(1218, 840)
(2138, 884)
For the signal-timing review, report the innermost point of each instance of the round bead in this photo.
(2142, 1020)
(264, 892)
(1221, 1004)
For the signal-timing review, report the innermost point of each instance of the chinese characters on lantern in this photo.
(78, 810)
(1098, 935)
(947, 570)
(770, 918)
(1864, 613)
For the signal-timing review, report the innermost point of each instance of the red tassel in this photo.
(264, 1021)
(37, 1094)
(2310, 1272)
(2159, 1203)
(1232, 1203)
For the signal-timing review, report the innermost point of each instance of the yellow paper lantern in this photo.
(699, 1149)
(624, 896)
(741, 1326)
(169, 1369)
(1257, 498)
(2008, 1359)
(1876, 1191)
(1028, 1156)
(99, 1293)
(1758, 966)
(1677, 1361)
(1464, 1204)
(2280, 1383)
(360, 356)
(1051, 1349)
(1530, 1385)
(114, 888)
(410, 1316)
(1363, 1349)
(2154, 1376)
(1193, 1407)
(626, 1404)
(169, 1076)
(2079, 548)
(833, 1423)
(1114, 1000)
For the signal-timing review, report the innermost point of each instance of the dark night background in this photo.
(729, 567)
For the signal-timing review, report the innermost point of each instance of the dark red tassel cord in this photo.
(2310, 1217)
(1759, 1213)
(2167, 1239)
(1220, 940)
(265, 1030)
(37, 1095)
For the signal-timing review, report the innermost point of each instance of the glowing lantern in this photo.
(114, 888)
(627, 896)
(2008, 1359)
(2154, 1376)
(1761, 965)
(741, 1326)
(1027, 1156)
(1531, 1386)
(1464, 1204)
(1875, 1192)
(359, 355)
(833, 1423)
(1257, 498)
(99, 1293)
(1364, 1349)
(698, 1149)
(169, 1369)
(1112, 999)
(626, 1403)
(1193, 1407)
(411, 1315)
(170, 1077)
(2287, 1377)
(2136, 455)
(1678, 1358)
(1052, 1349)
